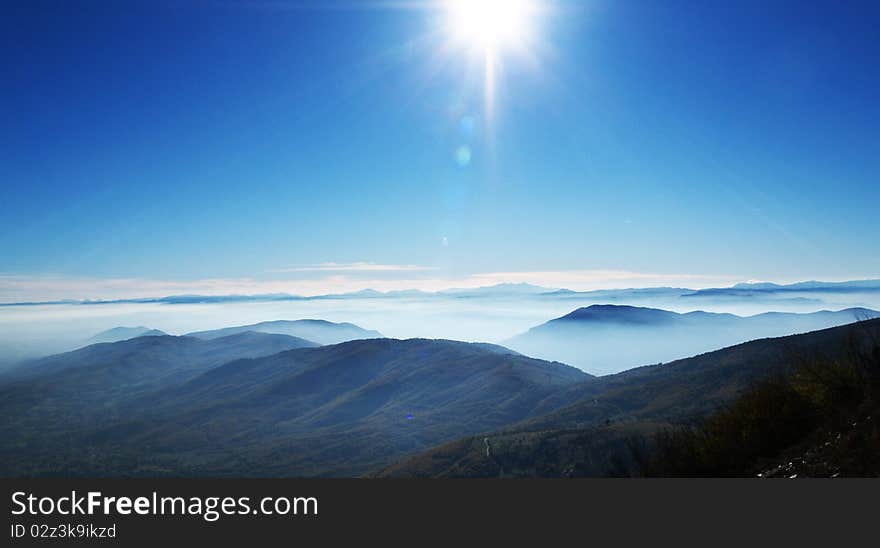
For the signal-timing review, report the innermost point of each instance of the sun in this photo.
(489, 26)
(501, 36)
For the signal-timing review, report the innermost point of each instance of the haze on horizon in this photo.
(488, 315)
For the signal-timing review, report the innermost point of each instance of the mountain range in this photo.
(603, 339)
(268, 404)
(596, 428)
(123, 333)
(17, 352)
(319, 331)
(122, 369)
(764, 291)
(166, 405)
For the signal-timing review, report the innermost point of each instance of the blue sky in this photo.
(219, 146)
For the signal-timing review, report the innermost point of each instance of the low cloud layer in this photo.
(336, 278)
(356, 267)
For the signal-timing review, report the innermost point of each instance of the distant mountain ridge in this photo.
(623, 314)
(744, 289)
(509, 289)
(811, 284)
(319, 331)
(498, 289)
(605, 339)
(123, 333)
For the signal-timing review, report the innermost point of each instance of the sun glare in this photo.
(489, 30)
(490, 25)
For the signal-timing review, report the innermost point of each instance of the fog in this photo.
(612, 347)
(33, 330)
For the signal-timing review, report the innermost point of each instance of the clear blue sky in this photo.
(189, 140)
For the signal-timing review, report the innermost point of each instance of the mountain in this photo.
(808, 287)
(603, 339)
(497, 290)
(761, 286)
(409, 293)
(806, 292)
(599, 427)
(814, 420)
(124, 333)
(16, 351)
(333, 410)
(143, 362)
(182, 406)
(60, 397)
(319, 331)
(666, 294)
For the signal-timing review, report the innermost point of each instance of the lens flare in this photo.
(463, 156)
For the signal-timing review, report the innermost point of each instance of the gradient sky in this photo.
(670, 141)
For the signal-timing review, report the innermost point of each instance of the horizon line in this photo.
(451, 291)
